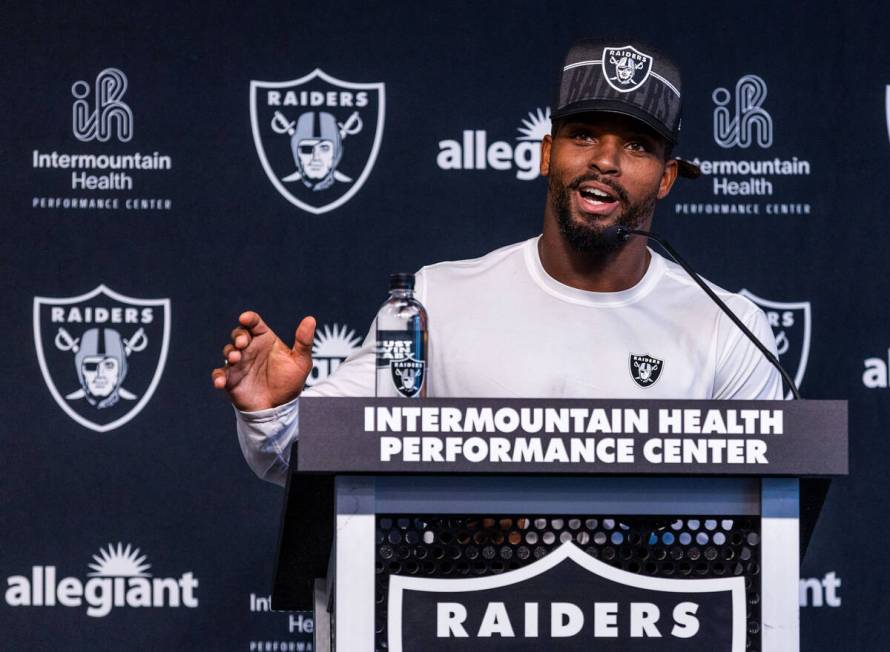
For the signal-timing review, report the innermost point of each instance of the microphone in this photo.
(616, 233)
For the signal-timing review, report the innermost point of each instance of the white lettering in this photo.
(605, 620)
(566, 619)
(496, 621)
(686, 624)
(449, 619)
(643, 619)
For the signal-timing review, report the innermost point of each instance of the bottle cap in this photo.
(401, 281)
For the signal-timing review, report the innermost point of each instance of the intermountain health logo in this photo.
(102, 353)
(331, 346)
(118, 578)
(281, 632)
(101, 170)
(317, 136)
(474, 151)
(750, 173)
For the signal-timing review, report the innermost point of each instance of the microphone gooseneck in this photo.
(620, 233)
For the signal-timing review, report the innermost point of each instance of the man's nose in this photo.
(605, 157)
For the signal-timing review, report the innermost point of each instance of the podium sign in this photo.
(763, 438)
(568, 599)
(539, 524)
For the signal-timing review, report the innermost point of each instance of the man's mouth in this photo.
(597, 199)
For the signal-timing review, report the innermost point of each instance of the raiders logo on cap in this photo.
(626, 68)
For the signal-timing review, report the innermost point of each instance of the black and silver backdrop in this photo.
(142, 173)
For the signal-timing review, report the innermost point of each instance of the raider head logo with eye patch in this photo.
(645, 370)
(317, 137)
(101, 353)
(626, 68)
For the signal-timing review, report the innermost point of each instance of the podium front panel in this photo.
(699, 546)
(657, 529)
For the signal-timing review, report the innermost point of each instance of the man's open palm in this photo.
(262, 371)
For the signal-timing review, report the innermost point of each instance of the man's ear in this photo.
(546, 146)
(668, 177)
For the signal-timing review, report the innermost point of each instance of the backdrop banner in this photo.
(163, 172)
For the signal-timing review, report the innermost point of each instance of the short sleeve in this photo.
(742, 371)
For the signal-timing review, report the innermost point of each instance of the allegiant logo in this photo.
(119, 579)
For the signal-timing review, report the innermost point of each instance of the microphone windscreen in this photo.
(614, 234)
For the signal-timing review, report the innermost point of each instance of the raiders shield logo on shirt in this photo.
(645, 370)
(407, 375)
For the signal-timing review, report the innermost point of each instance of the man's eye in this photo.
(584, 136)
(637, 146)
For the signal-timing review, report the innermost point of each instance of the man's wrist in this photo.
(268, 414)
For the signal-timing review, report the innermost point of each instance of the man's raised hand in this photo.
(262, 371)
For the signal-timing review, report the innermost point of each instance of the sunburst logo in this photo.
(535, 126)
(332, 345)
(474, 151)
(119, 562)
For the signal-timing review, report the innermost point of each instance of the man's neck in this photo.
(612, 271)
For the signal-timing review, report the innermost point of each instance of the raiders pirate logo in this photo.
(626, 68)
(645, 370)
(102, 354)
(791, 325)
(407, 376)
(317, 137)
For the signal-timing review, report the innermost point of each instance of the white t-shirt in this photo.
(500, 326)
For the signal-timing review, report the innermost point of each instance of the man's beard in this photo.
(587, 235)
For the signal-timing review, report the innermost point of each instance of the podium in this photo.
(508, 524)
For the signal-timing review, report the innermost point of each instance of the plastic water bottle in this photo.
(402, 342)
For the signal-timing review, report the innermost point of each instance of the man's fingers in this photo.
(218, 376)
(303, 336)
(253, 323)
(240, 338)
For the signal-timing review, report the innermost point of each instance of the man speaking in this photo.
(573, 313)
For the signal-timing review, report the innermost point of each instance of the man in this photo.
(573, 313)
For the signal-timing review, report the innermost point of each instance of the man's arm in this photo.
(264, 378)
(267, 436)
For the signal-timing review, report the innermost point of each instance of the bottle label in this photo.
(397, 345)
(402, 352)
(407, 375)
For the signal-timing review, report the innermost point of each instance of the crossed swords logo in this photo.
(137, 343)
(281, 125)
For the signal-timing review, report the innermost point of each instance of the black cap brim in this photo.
(621, 108)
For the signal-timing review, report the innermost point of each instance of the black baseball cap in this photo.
(633, 79)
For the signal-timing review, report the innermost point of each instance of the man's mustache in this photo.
(616, 187)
